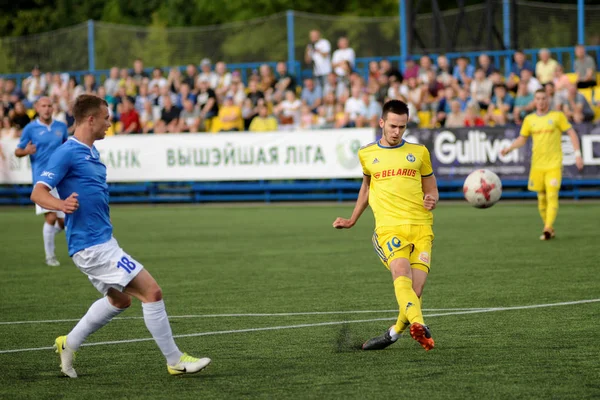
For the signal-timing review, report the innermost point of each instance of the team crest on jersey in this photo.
(549, 122)
(410, 157)
(57, 132)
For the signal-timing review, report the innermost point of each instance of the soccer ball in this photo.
(482, 188)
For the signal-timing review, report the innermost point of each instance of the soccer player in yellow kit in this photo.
(546, 128)
(400, 187)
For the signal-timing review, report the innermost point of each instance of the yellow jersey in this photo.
(396, 190)
(546, 133)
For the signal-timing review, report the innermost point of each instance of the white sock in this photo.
(157, 322)
(49, 232)
(99, 314)
(395, 336)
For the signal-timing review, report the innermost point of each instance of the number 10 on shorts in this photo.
(126, 264)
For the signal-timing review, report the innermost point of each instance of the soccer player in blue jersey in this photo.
(76, 171)
(38, 141)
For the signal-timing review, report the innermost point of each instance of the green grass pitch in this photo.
(288, 259)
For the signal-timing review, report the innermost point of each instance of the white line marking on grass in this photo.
(291, 314)
(275, 328)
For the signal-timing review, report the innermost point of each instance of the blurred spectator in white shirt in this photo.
(343, 53)
(157, 79)
(111, 84)
(318, 54)
(208, 74)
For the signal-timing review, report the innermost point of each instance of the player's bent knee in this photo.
(51, 218)
(118, 299)
(153, 294)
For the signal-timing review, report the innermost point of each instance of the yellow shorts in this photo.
(545, 180)
(412, 242)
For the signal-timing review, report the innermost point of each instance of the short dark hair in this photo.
(542, 90)
(394, 106)
(86, 105)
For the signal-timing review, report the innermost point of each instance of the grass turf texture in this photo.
(212, 260)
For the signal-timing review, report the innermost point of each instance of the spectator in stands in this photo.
(285, 81)
(9, 130)
(481, 89)
(472, 117)
(340, 117)
(386, 67)
(355, 109)
(288, 111)
(267, 81)
(89, 84)
(374, 72)
(169, 117)
(444, 71)
(223, 79)
(174, 79)
(328, 106)
(335, 86)
(148, 118)
(415, 93)
(433, 92)
(520, 63)
(15, 94)
(190, 77)
(455, 118)
(321, 119)
(236, 89)
(19, 116)
(425, 66)
(6, 104)
(207, 73)
(189, 117)
(318, 54)
(207, 100)
(545, 67)
(532, 83)
(554, 98)
(383, 83)
(343, 53)
(444, 107)
(413, 115)
(111, 84)
(249, 111)
(185, 93)
(263, 122)
(585, 68)
(524, 103)
(138, 74)
(254, 94)
(501, 106)
(411, 69)
(230, 116)
(307, 118)
(165, 91)
(486, 64)
(311, 94)
(57, 86)
(464, 98)
(373, 110)
(463, 72)
(129, 117)
(576, 107)
(34, 86)
(561, 80)
(157, 79)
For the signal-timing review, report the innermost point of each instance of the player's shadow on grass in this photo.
(345, 342)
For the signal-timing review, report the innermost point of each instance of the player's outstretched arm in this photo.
(42, 197)
(518, 143)
(576, 146)
(361, 205)
(29, 149)
(430, 191)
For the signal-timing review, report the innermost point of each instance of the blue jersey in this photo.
(46, 138)
(75, 167)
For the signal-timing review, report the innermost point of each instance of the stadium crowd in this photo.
(212, 98)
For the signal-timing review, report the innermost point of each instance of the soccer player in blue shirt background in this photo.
(39, 139)
(76, 170)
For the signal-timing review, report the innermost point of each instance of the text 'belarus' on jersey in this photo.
(396, 190)
(546, 133)
(76, 167)
(46, 138)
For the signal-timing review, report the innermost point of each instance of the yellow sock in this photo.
(408, 302)
(542, 205)
(552, 211)
(402, 323)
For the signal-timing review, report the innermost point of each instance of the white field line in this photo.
(274, 328)
(292, 314)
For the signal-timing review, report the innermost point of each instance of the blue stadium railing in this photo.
(564, 56)
(276, 191)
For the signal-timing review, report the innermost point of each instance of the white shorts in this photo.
(39, 210)
(107, 266)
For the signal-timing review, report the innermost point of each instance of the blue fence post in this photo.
(580, 22)
(91, 46)
(403, 32)
(291, 42)
(506, 29)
